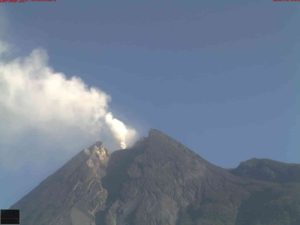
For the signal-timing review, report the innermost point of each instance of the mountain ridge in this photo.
(159, 181)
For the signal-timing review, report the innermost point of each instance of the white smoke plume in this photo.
(35, 98)
(119, 130)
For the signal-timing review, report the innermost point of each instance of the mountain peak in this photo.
(97, 151)
(158, 181)
(155, 133)
(160, 143)
(72, 195)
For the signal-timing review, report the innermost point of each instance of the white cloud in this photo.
(39, 105)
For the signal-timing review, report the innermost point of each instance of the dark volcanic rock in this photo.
(161, 182)
(268, 170)
(72, 195)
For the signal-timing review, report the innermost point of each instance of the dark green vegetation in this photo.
(160, 182)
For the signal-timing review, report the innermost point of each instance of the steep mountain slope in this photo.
(160, 180)
(157, 182)
(72, 195)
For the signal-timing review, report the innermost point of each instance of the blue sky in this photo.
(222, 77)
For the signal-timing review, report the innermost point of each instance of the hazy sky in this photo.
(222, 77)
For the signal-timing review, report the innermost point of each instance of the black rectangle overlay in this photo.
(10, 216)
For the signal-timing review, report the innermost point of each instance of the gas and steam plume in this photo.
(36, 99)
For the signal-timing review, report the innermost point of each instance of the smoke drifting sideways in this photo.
(37, 102)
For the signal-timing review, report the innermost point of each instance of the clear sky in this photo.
(222, 77)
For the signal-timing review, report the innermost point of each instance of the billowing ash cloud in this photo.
(37, 101)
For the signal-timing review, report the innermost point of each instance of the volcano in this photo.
(159, 181)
